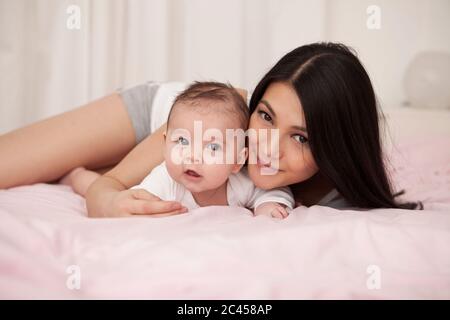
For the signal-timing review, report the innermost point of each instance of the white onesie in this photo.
(240, 190)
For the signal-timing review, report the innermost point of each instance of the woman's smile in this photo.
(267, 166)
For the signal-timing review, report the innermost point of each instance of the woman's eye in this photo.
(213, 146)
(300, 139)
(182, 141)
(265, 116)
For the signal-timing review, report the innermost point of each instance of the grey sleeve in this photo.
(138, 101)
(334, 200)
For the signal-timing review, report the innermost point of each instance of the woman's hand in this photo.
(116, 201)
(139, 202)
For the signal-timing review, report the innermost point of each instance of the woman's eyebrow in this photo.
(300, 128)
(267, 104)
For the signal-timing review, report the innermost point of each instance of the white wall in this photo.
(46, 69)
(237, 40)
(407, 27)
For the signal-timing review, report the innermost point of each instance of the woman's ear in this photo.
(241, 158)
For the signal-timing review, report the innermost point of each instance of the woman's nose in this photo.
(271, 149)
(271, 156)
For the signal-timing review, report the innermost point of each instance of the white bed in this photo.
(48, 246)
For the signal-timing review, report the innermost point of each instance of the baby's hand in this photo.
(272, 209)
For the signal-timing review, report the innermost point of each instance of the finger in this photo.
(152, 207)
(275, 213)
(143, 194)
(173, 213)
(159, 215)
(284, 213)
(278, 213)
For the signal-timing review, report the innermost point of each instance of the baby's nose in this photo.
(194, 157)
(197, 160)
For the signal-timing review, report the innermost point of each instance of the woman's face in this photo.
(280, 109)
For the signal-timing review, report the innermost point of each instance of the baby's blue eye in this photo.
(214, 146)
(182, 141)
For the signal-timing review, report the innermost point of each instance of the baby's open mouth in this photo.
(192, 173)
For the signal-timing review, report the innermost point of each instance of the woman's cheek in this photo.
(304, 166)
(255, 130)
(310, 162)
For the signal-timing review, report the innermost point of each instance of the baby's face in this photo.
(197, 152)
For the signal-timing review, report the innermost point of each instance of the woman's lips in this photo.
(266, 168)
(262, 164)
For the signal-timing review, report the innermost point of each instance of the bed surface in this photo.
(225, 253)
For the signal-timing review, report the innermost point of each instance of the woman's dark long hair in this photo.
(341, 117)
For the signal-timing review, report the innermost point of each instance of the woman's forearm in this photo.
(138, 163)
(129, 172)
(99, 196)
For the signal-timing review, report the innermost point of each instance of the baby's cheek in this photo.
(175, 170)
(218, 174)
(174, 154)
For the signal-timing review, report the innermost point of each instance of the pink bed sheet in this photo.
(225, 253)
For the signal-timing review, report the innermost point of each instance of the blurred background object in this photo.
(47, 68)
(427, 81)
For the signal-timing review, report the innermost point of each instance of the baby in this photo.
(205, 152)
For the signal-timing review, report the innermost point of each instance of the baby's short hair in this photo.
(215, 92)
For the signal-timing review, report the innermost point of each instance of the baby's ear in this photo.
(242, 156)
(164, 135)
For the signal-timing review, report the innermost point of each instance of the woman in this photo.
(318, 96)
